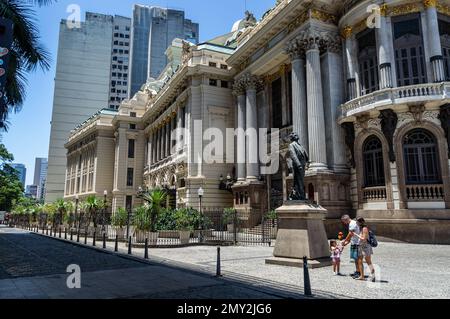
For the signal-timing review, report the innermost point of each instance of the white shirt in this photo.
(354, 228)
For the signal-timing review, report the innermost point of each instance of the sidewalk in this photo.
(407, 270)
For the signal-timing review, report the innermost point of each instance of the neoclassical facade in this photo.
(365, 84)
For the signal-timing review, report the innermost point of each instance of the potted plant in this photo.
(229, 218)
(92, 206)
(154, 199)
(141, 223)
(119, 221)
(184, 225)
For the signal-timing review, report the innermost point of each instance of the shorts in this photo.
(335, 260)
(365, 250)
(354, 252)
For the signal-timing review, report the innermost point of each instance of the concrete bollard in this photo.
(116, 244)
(104, 241)
(129, 245)
(146, 249)
(218, 266)
(306, 281)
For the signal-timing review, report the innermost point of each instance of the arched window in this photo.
(373, 162)
(421, 157)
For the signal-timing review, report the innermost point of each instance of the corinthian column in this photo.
(384, 56)
(299, 105)
(252, 83)
(239, 92)
(351, 54)
(316, 119)
(434, 40)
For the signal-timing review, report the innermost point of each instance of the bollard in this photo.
(306, 280)
(59, 231)
(55, 232)
(116, 244)
(46, 231)
(85, 237)
(218, 270)
(104, 241)
(71, 235)
(78, 235)
(65, 233)
(129, 245)
(93, 238)
(146, 249)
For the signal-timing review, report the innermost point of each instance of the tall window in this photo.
(444, 30)
(130, 148)
(130, 173)
(277, 104)
(421, 157)
(128, 203)
(368, 62)
(373, 162)
(408, 47)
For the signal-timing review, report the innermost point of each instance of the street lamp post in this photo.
(200, 196)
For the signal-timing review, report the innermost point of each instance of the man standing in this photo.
(297, 164)
(353, 230)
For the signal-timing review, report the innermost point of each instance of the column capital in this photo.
(312, 39)
(239, 87)
(295, 49)
(251, 82)
(430, 3)
(347, 32)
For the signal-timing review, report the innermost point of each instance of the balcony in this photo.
(434, 192)
(374, 194)
(395, 96)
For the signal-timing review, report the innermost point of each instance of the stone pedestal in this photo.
(301, 232)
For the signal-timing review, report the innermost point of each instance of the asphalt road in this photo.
(34, 266)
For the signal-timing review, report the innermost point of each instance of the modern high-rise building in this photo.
(153, 30)
(21, 171)
(91, 74)
(40, 176)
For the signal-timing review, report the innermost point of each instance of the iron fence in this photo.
(217, 229)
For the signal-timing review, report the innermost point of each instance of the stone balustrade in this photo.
(399, 95)
(374, 193)
(430, 192)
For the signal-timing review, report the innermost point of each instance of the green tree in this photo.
(11, 189)
(26, 54)
(155, 200)
(92, 205)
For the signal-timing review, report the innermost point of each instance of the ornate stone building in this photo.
(365, 84)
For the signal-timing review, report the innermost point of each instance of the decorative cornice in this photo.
(442, 8)
(404, 9)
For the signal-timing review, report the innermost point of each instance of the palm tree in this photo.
(92, 205)
(26, 52)
(154, 199)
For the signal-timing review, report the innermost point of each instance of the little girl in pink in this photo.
(336, 251)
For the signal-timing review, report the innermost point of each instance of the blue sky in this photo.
(29, 132)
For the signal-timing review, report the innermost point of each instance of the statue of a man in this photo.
(297, 164)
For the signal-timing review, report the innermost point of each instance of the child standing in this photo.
(336, 251)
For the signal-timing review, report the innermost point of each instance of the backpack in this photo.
(372, 240)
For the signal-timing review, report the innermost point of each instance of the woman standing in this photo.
(365, 250)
